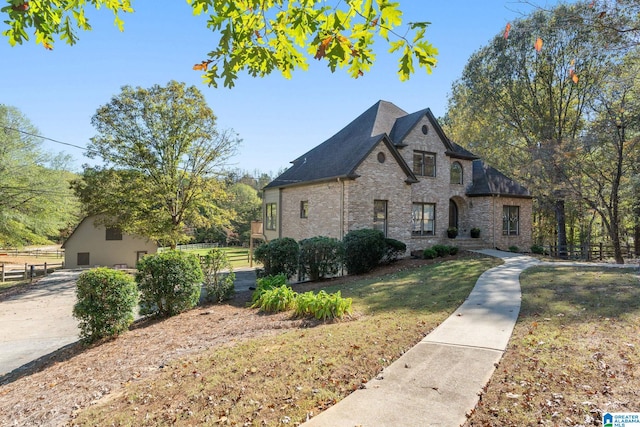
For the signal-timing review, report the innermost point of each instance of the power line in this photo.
(6, 128)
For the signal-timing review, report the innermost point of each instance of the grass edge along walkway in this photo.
(297, 374)
(438, 381)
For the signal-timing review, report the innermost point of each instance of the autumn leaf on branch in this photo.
(203, 66)
(573, 75)
(538, 44)
(507, 30)
(21, 7)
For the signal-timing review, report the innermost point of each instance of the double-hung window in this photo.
(271, 215)
(511, 220)
(424, 164)
(380, 215)
(423, 219)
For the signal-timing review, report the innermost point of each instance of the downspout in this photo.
(493, 208)
(280, 213)
(341, 208)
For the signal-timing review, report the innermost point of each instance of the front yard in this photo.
(228, 363)
(575, 352)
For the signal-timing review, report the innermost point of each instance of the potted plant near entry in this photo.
(475, 232)
(452, 232)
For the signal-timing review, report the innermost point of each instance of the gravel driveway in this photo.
(38, 321)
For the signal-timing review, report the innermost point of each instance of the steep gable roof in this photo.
(340, 155)
(488, 181)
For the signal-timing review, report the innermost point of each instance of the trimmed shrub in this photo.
(453, 250)
(264, 284)
(217, 285)
(279, 256)
(320, 257)
(393, 249)
(514, 249)
(277, 299)
(364, 249)
(106, 302)
(537, 249)
(429, 253)
(441, 250)
(169, 283)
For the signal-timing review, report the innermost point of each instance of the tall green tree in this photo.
(530, 87)
(162, 154)
(607, 153)
(256, 36)
(35, 199)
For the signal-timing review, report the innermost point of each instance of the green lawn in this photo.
(574, 353)
(260, 382)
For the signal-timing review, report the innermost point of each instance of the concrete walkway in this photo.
(437, 382)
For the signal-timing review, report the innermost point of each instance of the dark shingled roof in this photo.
(340, 155)
(488, 181)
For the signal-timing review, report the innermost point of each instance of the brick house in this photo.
(399, 173)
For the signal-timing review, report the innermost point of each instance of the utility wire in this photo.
(6, 128)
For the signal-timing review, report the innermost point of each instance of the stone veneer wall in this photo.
(438, 189)
(324, 207)
(486, 214)
(380, 181)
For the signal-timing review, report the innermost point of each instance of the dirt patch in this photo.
(50, 390)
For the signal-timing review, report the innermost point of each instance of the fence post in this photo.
(628, 250)
(25, 271)
(3, 271)
(45, 268)
(601, 249)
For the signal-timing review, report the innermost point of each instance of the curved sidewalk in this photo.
(438, 381)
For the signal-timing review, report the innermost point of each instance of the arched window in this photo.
(456, 173)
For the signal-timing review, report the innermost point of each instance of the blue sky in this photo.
(277, 119)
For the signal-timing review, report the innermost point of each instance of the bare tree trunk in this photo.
(636, 228)
(562, 228)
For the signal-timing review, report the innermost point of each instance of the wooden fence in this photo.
(30, 271)
(41, 253)
(192, 246)
(598, 251)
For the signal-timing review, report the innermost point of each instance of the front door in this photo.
(453, 214)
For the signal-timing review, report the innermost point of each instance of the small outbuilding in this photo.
(93, 245)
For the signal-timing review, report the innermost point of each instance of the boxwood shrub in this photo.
(393, 249)
(320, 257)
(106, 302)
(429, 253)
(279, 256)
(441, 250)
(364, 249)
(169, 283)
